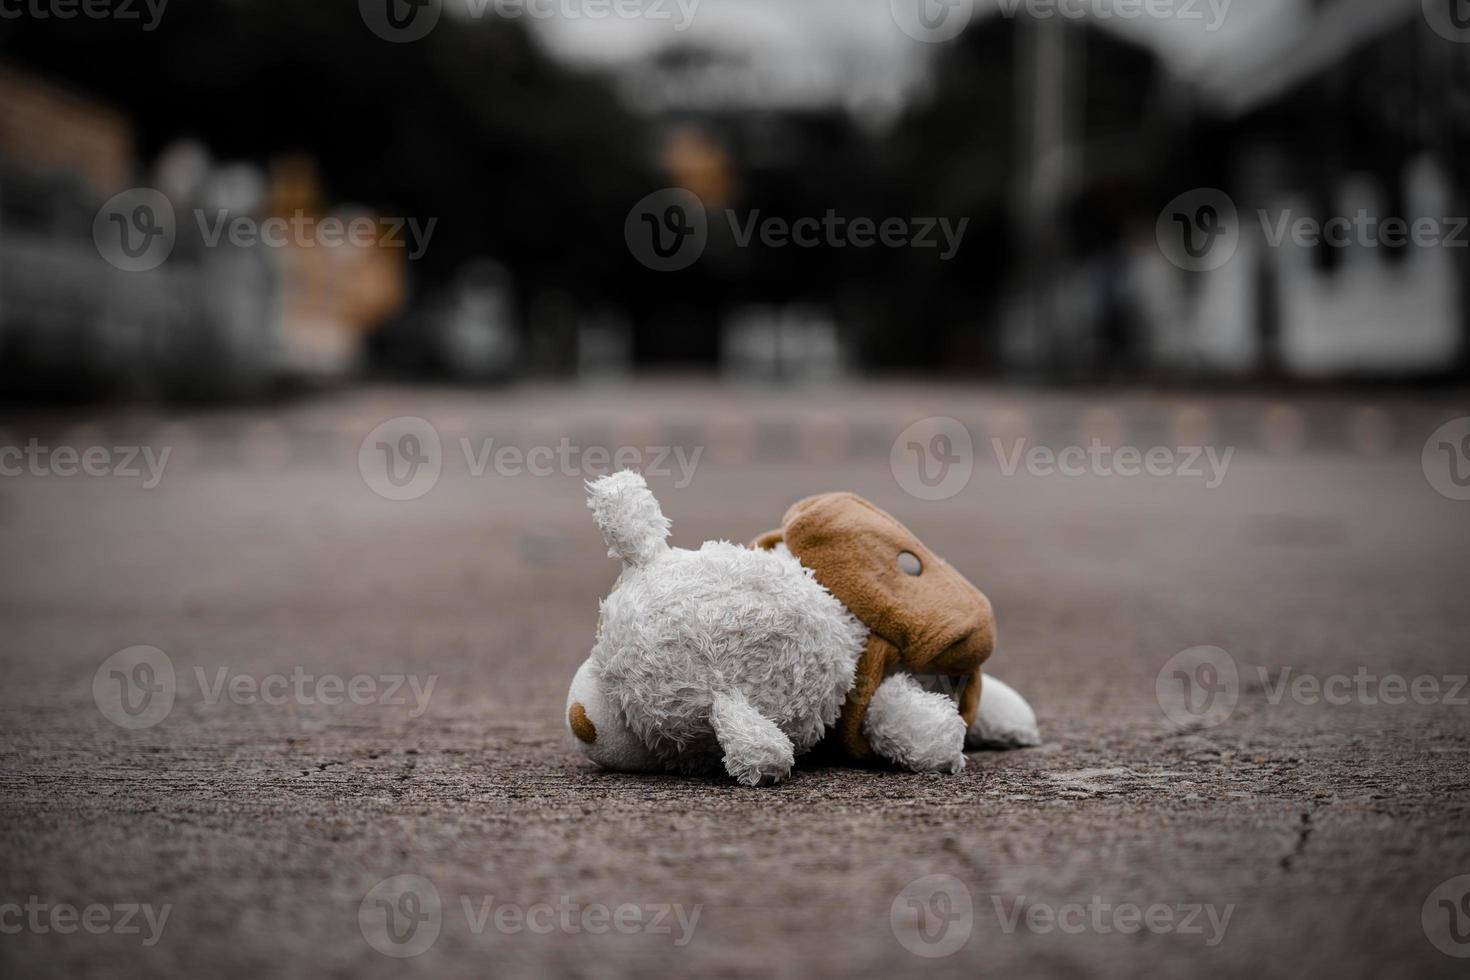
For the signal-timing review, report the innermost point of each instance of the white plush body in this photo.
(691, 630)
(736, 658)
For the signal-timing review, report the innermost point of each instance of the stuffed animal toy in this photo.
(840, 624)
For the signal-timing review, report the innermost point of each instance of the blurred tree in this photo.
(518, 157)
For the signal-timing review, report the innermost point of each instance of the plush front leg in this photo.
(914, 728)
(756, 751)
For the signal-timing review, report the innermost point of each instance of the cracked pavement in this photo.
(1323, 828)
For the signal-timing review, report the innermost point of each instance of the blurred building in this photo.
(1317, 110)
(220, 315)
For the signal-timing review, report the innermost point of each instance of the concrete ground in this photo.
(1277, 833)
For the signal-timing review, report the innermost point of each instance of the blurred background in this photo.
(315, 315)
(497, 147)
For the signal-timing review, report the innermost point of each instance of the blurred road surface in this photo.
(1280, 831)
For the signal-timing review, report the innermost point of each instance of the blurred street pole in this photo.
(1049, 58)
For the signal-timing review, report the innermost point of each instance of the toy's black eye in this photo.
(909, 562)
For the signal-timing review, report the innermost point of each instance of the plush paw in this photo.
(915, 729)
(1004, 720)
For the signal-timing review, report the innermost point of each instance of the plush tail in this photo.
(632, 524)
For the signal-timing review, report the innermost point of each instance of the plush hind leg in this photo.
(1004, 720)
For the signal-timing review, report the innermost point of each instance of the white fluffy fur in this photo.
(736, 659)
(683, 631)
(1004, 721)
(915, 728)
(756, 751)
(628, 514)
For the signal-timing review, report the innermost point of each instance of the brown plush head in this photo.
(922, 615)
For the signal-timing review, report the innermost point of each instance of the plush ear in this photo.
(768, 540)
(632, 524)
(878, 655)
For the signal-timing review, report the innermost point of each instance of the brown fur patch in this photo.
(582, 726)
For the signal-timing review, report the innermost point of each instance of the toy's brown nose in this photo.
(582, 726)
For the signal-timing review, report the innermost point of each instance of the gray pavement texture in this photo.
(1321, 829)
